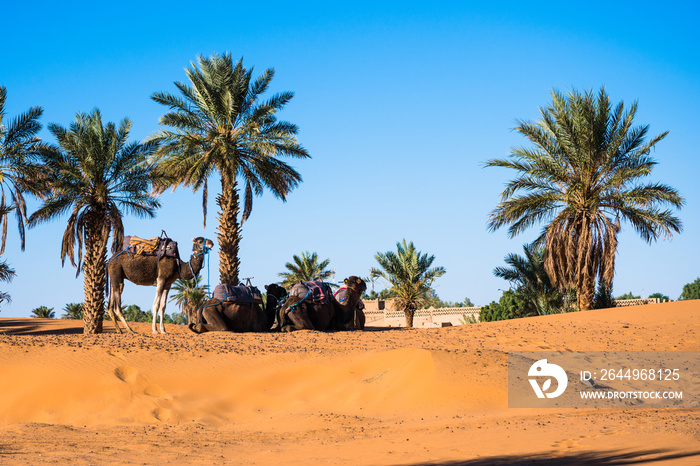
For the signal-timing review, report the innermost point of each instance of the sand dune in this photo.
(383, 396)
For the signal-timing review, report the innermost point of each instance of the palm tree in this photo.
(96, 174)
(73, 311)
(305, 268)
(43, 312)
(530, 277)
(581, 178)
(6, 275)
(190, 296)
(18, 147)
(410, 275)
(218, 126)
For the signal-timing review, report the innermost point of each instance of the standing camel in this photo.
(224, 316)
(302, 312)
(151, 271)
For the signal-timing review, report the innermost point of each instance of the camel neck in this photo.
(351, 299)
(193, 266)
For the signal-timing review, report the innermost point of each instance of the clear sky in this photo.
(399, 105)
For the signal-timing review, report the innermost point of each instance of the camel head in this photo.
(200, 243)
(356, 283)
(276, 290)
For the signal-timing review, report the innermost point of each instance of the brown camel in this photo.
(151, 271)
(357, 319)
(300, 311)
(224, 316)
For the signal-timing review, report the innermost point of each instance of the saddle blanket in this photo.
(240, 294)
(158, 246)
(320, 292)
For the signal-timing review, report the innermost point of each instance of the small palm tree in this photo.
(581, 178)
(529, 275)
(190, 296)
(95, 173)
(6, 275)
(220, 126)
(305, 268)
(73, 311)
(410, 275)
(18, 147)
(43, 312)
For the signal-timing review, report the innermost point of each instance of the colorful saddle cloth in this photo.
(314, 291)
(240, 294)
(158, 246)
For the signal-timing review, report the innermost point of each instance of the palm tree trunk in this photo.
(585, 293)
(409, 317)
(228, 235)
(94, 271)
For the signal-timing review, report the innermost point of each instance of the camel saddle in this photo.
(314, 291)
(159, 246)
(240, 294)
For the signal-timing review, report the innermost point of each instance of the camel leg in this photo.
(215, 320)
(158, 305)
(118, 310)
(300, 319)
(163, 304)
(291, 318)
(115, 307)
(110, 309)
(359, 321)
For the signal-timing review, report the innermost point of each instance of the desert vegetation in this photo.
(581, 178)
(410, 275)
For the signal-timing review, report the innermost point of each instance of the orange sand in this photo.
(383, 396)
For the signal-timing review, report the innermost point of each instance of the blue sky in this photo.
(399, 105)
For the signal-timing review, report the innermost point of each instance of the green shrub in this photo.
(691, 290)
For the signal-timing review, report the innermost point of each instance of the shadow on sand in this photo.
(40, 327)
(586, 458)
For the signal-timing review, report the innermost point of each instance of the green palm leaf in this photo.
(219, 124)
(410, 274)
(580, 178)
(95, 175)
(304, 268)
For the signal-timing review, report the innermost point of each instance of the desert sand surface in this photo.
(378, 397)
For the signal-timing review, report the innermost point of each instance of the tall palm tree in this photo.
(96, 174)
(530, 277)
(189, 295)
(410, 275)
(218, 125)
(305, 268)
(581, 178)
(18, 147)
